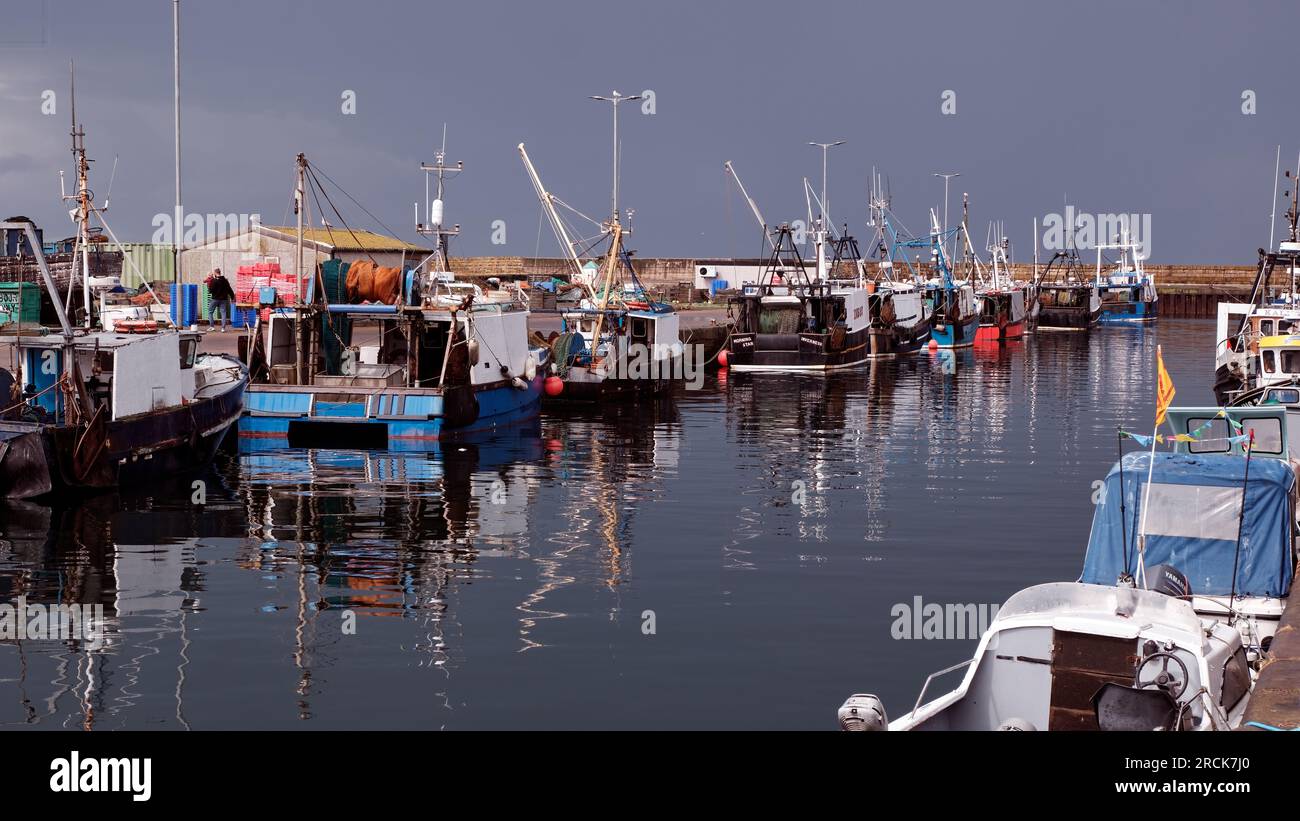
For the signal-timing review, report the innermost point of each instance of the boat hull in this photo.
(1124, 313)
(402, 419)
(1067, 319)
(1000, 333)
(806, 352)
(888, 342)
(959, 334)
(47, 459)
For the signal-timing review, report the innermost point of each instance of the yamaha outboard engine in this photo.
(863, 712)
(1167, 579)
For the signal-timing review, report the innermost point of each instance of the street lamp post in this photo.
(824, 146)
(820, 233)
(615, 99)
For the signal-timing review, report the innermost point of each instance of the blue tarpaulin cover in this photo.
(1195, 503)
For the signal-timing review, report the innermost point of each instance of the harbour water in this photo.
(734, 558)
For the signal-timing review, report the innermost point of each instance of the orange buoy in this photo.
(554, 386)
(722, 358)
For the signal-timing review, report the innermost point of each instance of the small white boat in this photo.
(1074, 656)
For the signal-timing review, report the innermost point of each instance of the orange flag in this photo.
(1164, 388)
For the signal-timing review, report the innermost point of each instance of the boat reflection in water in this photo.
(139, 591)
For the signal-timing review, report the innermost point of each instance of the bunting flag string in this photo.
(1144, 440)
(1195, 436)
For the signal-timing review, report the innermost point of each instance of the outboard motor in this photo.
(863, 712)
(1167, 579)
(1017, 725)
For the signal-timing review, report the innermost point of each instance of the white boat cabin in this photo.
(128, 374)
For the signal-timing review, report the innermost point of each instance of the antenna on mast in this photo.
(434, 208)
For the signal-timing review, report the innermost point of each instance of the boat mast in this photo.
(82, 198)
(434, 226)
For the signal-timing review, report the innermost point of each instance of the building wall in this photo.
(154, 262)
(244, 249)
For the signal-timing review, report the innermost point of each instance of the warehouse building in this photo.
(268, 243)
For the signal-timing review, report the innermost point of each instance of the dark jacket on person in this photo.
(219, 288)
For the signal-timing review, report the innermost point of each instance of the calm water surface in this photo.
(765, 525)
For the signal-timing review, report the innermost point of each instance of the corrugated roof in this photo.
(341, 239)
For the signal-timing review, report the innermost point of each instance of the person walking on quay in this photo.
(221, 297)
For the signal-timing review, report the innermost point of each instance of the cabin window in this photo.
(1285, 326)
(1290, 361)
(640, 329)
(189, 347)
(1234, 324)
(1218, 430)
(1270, 362)
(1266, 327)
(1236, 680)
(1268, 434)
(1288, 396)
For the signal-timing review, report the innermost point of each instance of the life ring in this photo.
(637, 306)
(136, 326)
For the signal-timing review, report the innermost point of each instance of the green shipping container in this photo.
(21, 302)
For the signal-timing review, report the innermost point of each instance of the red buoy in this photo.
(554, 386)
(934, 346)
(722, 358)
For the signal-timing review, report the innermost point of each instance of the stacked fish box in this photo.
(184, 304)
(248, 283)
(250, 279)
(285, 283)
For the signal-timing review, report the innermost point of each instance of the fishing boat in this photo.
(619, 342)
(1127, 290)
(1067, 301)
(955, 316)
(1003, 304)
(452, 358)
(793, 321)
(110, 401)
(1271, 313)
(819, 321)
(89, 409)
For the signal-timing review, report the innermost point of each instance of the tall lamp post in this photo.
(615, 99)
(819, 235)
(826, 210)
(178, 218)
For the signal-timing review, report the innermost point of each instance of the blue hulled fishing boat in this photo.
(452, 358)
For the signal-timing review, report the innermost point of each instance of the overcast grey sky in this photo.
(1124, 107)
